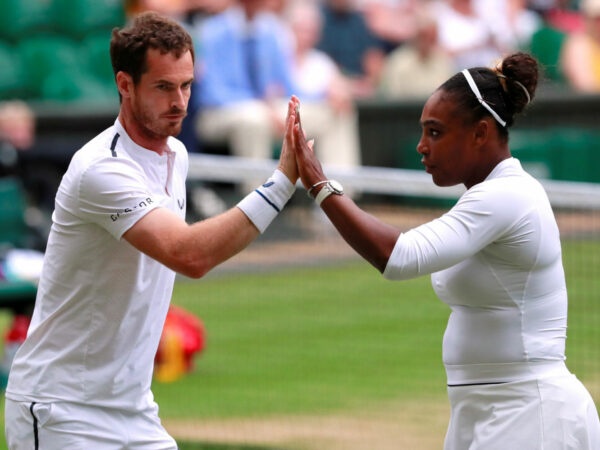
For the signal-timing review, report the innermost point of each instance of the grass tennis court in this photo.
(311, 350)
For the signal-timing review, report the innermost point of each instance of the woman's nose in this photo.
(421, 147)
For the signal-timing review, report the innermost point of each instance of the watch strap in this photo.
(327, 190)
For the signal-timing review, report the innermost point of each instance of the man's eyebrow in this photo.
(163, 81)
(170, 83)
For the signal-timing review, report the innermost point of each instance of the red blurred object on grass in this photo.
(13, 338)
(182, 338)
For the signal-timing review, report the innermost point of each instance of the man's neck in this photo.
(140, 137)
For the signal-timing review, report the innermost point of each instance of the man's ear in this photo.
(124, 83)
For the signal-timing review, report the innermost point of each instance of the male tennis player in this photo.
(82, 378)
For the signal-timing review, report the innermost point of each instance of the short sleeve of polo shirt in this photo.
(114, 194)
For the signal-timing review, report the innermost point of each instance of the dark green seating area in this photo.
(57, 50)
(18, 296)
(556, 153)
(12, 214)
(559, 153)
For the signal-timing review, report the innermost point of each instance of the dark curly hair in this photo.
(129, 45)
(507, 89)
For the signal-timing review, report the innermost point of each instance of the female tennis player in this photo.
(494, 258)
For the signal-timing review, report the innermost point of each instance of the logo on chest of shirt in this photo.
(181, 203)
(143, 204)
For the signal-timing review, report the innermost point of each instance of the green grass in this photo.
(582, 267)
(337, 339)
(308, 341)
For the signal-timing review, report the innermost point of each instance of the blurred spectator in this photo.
(510, 23)
(520, 25)
(172, 8)
(417, 68)
(330, 114)
(467, 31)
(183, 10)
(17, 124)
(17, 133)
(541, 5)
(175, 8)
(197, 11)
(209, 7)
(352, 45)
(17, 137)
(563, 15)
(278, 6)
(392, 21)
(581, 51)
(243, 71)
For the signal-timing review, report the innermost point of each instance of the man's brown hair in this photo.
(129, 45)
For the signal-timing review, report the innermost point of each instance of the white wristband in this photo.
(266, 201)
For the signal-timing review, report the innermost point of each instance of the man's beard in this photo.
(152, 125)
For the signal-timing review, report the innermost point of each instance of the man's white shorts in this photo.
(69, 426)
(555, 413)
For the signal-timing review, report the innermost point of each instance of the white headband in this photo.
(475, 90)
(518, 83)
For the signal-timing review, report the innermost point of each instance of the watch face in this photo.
(336, 186)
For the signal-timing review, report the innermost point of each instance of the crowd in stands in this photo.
(57, 49)
(391, 49)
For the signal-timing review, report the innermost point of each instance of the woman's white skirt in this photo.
(547, 413)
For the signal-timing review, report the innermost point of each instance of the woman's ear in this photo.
(482, 131)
